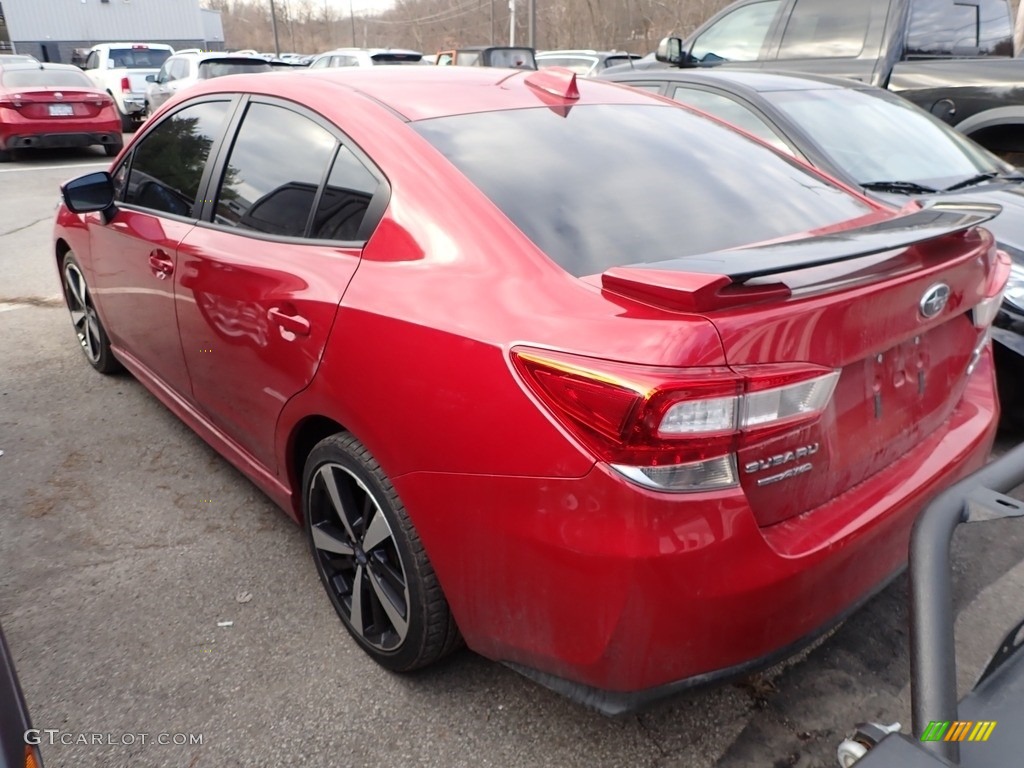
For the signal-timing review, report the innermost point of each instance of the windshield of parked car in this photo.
(875, 136)
(599, 186)
(209, 69)
(45, 78)
(138, 58)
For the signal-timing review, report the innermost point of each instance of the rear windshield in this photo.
(42, 78)
(608, 185)
(208, 69)
(139, 58)
(397, 58)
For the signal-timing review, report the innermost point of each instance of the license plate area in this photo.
(61, 110)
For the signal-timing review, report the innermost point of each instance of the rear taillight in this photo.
(985, 311)
(673, 429)
(14, 101)
(126, 86)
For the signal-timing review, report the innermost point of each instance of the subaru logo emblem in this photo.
(934, 300)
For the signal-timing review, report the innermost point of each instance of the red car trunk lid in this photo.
(894, 322)
(55, 103)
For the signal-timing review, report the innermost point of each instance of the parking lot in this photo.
(151, 594)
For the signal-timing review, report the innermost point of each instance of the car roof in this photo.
(586, 52)
(372, 51)
(756, 81)
(207, 55)
(419, 93)
(160, 46)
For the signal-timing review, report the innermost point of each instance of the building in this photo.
(51, 30)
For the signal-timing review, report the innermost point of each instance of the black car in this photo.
(14, 719)
(876, 142)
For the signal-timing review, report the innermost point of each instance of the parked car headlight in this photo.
(1015, 287)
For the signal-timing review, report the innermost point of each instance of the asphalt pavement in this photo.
(162, 612)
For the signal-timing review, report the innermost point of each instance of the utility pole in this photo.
(532, 23)
(352, 18)
(273, 24)
(511, 22)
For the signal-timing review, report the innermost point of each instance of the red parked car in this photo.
(625, 412)
(54, 105)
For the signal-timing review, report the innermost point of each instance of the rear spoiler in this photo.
(700, 283)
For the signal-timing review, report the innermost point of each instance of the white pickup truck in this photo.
(120, 69)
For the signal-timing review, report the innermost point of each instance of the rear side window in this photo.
(966, 27)
(608, 185)
(167, 165)
(345, 199)
(819, 29)
(277, 163)
(731, 111)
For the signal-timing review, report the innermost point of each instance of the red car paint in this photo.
(549, 558)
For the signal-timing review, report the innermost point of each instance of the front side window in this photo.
(738, 36)
(819, 29)
(167, 165)
(949, 27)
(277, 163)
(731, 111)
(635, 183)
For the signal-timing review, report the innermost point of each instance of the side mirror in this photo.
(670, 51)
(89, 193)
(150, 78)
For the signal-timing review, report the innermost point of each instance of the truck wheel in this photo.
(127, 122)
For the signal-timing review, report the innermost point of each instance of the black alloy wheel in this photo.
(370, 559)
(84, 318)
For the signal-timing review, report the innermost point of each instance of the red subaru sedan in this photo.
(623, 411)
(54, 105)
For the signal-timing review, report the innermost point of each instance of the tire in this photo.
(5, 156)
(386, 594)
(91, 335)
(111, 150)
(127, 121)
(1009, 374)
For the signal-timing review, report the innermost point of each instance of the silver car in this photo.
(188, 67)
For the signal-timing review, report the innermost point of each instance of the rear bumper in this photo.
(69, 139)
(619, 596)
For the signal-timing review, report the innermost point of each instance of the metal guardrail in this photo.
(976, 498)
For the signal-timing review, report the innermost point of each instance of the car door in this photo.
(261, 278)
(157, 187)
(159, 91)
